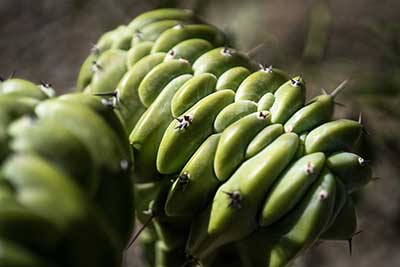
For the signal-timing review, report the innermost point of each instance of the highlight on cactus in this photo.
(212, 153)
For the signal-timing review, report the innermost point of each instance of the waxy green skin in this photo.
(109, 71)
(189, 197)
(122, 38)
(179, 33)
(178, 145)
(138, 52)
(27, 137)
(131, 108)
(148, 132)
(191, 92)
(263, 139)
(22, 88)
(333, 136)
(266, 102)
(340, 199)
(106, 40)
(291, 187)
(105, 43)
(232, 113)
(189, 49)
(231, 149)
(33, 176)
(154, 82)
(288, 99)
(11, 108)
(278, 245)
(351, 169)
(320, 110)
(106, 112)
(260, 83)
(152, 31)
(219, 60)
(161, 14)
(344, 227)
(74, 117)
(86, 125)
(85, 73)
(232, 78)
(222, 222)
(52, 195)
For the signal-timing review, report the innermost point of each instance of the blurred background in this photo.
(326, 41)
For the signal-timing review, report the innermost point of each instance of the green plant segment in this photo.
(230, 158)
(225, 157)
(65, 187)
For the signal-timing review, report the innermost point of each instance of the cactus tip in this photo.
(361, 161)
(45, 84)
(263, 115)
(296, 82)
(95, 49)
(170, 55)
(96, 66)
(110, 102)
(323, 194)
(184, 179)
(309, 168)
(226, 51)
(338, 89)
(288, 129)
(235, 199)
(184, 122)
(179, 26)
(264, 68)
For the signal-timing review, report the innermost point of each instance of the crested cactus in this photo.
(255, 166)
(62, 203)
(229, 158)
(234, 156)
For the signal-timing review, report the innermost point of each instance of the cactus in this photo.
(62, 203)
(229, 158)
(237, 157)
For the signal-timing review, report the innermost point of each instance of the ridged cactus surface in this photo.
(65, 187)
(230, 159)
(229, 164)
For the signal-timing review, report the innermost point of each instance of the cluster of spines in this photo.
(206, 116)
(65, 186)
